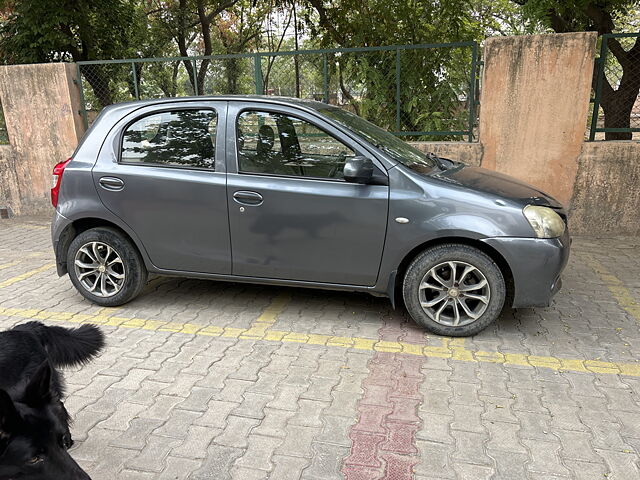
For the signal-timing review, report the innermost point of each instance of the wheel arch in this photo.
(80, 225)
(398, 274)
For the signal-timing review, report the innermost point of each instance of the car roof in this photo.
(300, 102)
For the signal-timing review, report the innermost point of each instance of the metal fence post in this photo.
(83, 105)
(398, 109)
(600, 65)
(472, 90)
(325, 78)
(257, 67)
(195, 78)
(135, 80)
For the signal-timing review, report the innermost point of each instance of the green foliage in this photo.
(579, 15)
(44, 31)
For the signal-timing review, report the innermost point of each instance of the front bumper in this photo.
(536, 265)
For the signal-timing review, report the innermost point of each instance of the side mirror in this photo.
(358, 169)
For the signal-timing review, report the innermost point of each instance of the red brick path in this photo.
(383, 439)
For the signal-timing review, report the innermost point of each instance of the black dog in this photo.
(34, 424)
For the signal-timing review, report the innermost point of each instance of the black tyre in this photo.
(454, 290)
(105, 267)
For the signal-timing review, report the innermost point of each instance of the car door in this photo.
(291, 214)
(165, 178)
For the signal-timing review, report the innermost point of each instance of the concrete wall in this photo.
(469, 153)
(40, 104)
(9, 193)
(606, 196)
(534, 106)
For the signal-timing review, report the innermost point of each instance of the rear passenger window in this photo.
(184, 138)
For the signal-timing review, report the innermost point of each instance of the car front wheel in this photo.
(105, 267)
(454, 290)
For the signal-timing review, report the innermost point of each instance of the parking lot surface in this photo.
(213, 380)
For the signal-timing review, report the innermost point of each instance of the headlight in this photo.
(544, 221)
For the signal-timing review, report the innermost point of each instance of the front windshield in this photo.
(387, 142)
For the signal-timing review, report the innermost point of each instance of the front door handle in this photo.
(246, 197)
(111, 183)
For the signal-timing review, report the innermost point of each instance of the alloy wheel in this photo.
(99, 269)
(454, 293)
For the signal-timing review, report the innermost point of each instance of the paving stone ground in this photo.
(212, 380)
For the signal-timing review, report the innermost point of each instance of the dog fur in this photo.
(34, 424)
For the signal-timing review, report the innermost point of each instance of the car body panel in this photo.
(179, 214)
(305, 229)
(535, 265)
(498, 185)
(307, 232)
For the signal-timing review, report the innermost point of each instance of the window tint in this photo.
(280, 144)
(184, 138)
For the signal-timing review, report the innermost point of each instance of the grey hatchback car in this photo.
(300, 193)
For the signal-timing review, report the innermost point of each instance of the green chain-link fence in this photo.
(615, 113)
(420, 91)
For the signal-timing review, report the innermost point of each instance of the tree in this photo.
(188, 21)
(434, 84)
(602, 16)
(45, 31)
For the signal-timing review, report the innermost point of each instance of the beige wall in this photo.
(534, 107)
(40, 104)
(9, 192)
(469, 153)
(606, 196)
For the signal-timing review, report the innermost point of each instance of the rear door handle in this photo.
(111, 183)
(246, 197)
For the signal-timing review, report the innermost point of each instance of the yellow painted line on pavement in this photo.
(450, 348)
(26, 275)
(10, 264)
(616, 286)
(265, 321)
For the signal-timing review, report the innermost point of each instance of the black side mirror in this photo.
(358, 169)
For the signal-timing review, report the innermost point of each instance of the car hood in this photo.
(494, 183)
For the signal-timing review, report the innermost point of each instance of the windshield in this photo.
(395, 148)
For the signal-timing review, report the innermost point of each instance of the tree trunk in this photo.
(617, 116)
(618, 104)
(99, 81)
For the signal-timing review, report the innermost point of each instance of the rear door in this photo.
(291, 214)
(165, 178)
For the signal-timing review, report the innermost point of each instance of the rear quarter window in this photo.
(183, 138)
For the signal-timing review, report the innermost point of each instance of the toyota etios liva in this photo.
(293, 192)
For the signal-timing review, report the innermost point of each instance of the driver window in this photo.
(279, 144)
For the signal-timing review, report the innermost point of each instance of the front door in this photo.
(291, 214)
(167, 183)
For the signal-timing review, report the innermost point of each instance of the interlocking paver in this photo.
(170, 403)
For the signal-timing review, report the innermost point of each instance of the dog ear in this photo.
(38, 391)
(9, 418)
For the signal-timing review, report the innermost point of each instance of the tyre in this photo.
(105, 267)
(454, 290)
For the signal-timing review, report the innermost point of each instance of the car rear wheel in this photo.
(105, 267)
(454, 290)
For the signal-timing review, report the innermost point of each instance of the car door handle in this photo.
(245, 197)
(111, 183)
